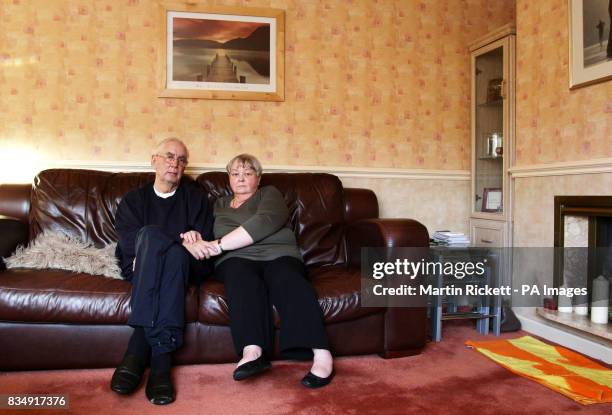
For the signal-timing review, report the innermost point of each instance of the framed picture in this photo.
(492, 199)
(221, 52)
(590, 34)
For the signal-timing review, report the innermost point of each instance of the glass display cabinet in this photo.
(492, 106)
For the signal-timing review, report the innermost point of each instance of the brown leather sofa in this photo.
(56, 319)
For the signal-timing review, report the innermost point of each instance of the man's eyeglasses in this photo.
(170, 158)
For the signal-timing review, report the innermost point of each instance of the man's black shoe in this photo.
(160, 390)
(128, 375)
(252, 368)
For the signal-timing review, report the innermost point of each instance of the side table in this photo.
(488, 307)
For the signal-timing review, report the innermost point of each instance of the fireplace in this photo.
(583, 247)
(593, 216)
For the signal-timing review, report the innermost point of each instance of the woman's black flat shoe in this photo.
(252, 368)
(313, 381)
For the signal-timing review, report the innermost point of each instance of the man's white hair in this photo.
(165, 141)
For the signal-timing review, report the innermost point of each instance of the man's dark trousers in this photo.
(158, 289)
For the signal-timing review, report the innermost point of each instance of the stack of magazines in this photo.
(448, 238)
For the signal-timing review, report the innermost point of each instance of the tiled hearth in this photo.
(578, 322)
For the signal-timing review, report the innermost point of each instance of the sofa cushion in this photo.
(55, 296)
(338, 290)
(80, 203)
(316, 210)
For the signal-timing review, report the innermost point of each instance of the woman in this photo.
(261, 266)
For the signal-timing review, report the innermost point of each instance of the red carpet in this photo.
(447, 378)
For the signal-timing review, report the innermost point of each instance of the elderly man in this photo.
(161, 228)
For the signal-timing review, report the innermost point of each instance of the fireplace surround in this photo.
(583, 230)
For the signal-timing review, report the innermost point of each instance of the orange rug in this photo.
(555, 367)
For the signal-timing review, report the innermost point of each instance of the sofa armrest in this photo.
(405, 327)
(14, 232)
(383, 233)
(15, 201)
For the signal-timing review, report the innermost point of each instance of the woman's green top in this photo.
(264, 216)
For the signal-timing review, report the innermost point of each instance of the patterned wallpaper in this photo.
(368, 83)
(554, 124)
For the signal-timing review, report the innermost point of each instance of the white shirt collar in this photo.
(164, 195)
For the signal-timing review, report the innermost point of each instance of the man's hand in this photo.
(191, 236)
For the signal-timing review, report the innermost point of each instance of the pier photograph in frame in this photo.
(222, 53)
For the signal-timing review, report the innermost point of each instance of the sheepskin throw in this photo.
(59, 251)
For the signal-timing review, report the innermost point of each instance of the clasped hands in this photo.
(199, 248)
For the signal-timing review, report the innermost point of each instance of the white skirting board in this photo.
(531, 323)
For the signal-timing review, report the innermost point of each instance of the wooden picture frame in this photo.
(590, 51)
(218, 52)
(492, 199)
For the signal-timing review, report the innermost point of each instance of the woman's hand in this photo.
(213, 247)
(191, 236)
(197, 249)
(202, 249)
